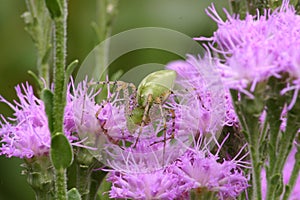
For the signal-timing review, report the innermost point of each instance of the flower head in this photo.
(257, 47)
(160, 184)
(200, 170)
(27, 133)
(215, 108)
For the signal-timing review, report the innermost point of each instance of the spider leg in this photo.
(172, 112)
(144, 118)
(102, 124)
(125, 87)
(159, 102)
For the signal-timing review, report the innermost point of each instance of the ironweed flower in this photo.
(199, 76)
(159, 184)
(201, 110)
(257, 47)
(196, 169)
(201, 171)
(27, 134)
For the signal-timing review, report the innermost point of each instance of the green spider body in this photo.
(157, 84)
(154, 89)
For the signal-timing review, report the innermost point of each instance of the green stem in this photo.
(60, 184)
(59, 100)
(256, 166)
(248, 111)
(275, 105)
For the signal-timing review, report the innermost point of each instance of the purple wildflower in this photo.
(196, 169)
(257, 47)
(27, 134)
(159, 184)
(199, 169)
(199, 75)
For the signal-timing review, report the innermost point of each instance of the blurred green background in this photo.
(17, 54)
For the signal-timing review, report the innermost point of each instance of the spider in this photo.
(151, 94)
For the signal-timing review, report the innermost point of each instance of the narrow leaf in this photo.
(47, 97)
(104, 189)
(54, 8)
(71, 68)
(36, 78)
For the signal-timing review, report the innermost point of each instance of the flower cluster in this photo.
(208, 105)
(216, 106)
(195, 170)
(27, 134)
(262, 50)
(257, 47)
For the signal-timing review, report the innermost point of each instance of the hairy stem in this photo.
(59, 70)
(60, 184)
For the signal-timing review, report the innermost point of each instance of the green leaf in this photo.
(71, 68)
(47, 97)
(73, 194)
(36, 78)
(103, 190)
(69, 72)
(276, 180)
(54, 8)
(61, 151)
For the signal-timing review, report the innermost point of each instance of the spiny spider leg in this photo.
(121, 85)
(173, 129)
(144, 118)
(102, 124)
(159, 102)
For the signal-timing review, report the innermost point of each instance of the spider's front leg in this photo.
(145, 118)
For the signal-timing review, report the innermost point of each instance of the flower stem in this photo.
(60, 184)
(59, 100)
(256, 167)
(248, 111)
